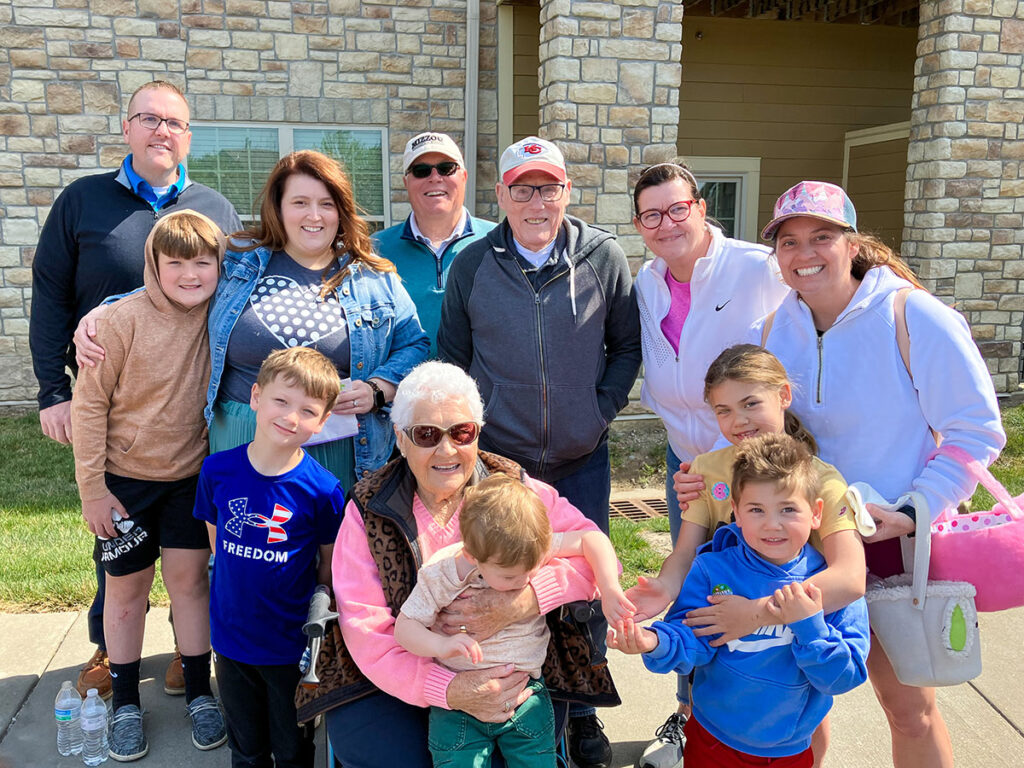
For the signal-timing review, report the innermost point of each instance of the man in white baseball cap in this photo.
(422, 247)
(541, 313)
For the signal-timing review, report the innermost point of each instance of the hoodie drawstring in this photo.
(572, 285)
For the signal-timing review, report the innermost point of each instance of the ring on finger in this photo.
(462, 627)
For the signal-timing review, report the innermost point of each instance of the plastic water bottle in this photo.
(94, 729)
(67, 709)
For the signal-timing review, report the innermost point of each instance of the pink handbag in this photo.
(983, 548)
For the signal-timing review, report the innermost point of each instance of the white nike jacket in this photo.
(853, 392)
(732, 286)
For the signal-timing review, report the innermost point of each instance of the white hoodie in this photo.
(853, 392)
(731, 287)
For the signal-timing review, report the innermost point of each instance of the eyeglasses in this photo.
(678, 212)
(429, 435)
(152, 122)
(523, 193)
(422, 170)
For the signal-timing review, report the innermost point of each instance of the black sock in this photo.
(197, 676)
(125, 681)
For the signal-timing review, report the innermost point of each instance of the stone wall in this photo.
(609, 76)
(67, 68)
(964, 214)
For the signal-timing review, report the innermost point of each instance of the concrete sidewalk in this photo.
(37, 652)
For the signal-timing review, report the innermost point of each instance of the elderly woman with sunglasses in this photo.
(699, 295)
(394, 521)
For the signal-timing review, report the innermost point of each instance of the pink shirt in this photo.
(672, 325)
(368, 625)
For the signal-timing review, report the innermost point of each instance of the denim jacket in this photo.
(385, 337)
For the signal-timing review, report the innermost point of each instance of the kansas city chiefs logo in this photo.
(274, 524)
(532, 149)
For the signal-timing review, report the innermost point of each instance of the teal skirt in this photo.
(234, 424)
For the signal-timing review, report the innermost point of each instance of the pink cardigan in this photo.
(367, 623)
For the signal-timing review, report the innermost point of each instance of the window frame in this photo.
(286, 144)
(746, 172)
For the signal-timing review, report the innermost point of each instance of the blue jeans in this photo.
(380, 730)
(589, 489)
(675, 522)
(675, 514)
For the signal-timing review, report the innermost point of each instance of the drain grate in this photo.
(638, 508)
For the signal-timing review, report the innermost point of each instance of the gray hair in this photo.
(435, 382)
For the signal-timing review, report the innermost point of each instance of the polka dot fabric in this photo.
(285, 308)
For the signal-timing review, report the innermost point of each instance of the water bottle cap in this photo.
(91, 692)
(66, 684)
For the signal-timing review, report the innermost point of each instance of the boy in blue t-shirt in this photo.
(271, 510)
(762, 695)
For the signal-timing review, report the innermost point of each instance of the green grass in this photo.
(45, 548)
(1009, 469)
(635, 553)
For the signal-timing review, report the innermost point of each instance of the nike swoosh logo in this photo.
(718, 308)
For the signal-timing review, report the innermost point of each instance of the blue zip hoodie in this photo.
(765, 693)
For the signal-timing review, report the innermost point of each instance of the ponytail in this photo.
(874, 253)
(796, 429)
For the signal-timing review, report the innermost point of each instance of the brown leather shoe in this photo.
(96, 674)
(174, 678)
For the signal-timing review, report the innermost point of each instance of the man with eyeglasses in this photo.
(439, 227)
(541, 313)
(92, 246)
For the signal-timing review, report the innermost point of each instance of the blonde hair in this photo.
(187, 235)
(775, 458)
(752, 364)
(505, 523)
(303, 367)
(872, 252)
(353, 235)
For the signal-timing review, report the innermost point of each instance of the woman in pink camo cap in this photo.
(876, 404)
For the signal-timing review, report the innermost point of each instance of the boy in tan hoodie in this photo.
(140, 439)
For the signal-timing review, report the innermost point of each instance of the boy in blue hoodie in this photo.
(763, 695)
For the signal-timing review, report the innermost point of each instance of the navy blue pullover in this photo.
(92, 247)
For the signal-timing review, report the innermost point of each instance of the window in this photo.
(235, 159)
(730, 185)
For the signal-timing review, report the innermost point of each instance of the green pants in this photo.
(458, 740)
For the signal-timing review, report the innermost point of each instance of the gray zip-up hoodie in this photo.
(554, 363)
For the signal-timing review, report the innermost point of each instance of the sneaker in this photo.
(127, 740)
(208, 731)
(588, 746)
(666, 751)
(174, 678)
(96, 674)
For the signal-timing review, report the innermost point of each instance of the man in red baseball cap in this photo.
(541, 313)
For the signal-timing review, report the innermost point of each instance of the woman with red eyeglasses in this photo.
(698, 295)
(375, 693)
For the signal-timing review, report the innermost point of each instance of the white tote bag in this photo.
(928, 629)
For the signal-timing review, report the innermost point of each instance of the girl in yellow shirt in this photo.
(749, 392)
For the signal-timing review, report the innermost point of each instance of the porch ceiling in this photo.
(902, 13)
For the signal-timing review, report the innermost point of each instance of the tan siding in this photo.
(877, 174)
(525, 62)
(789, 92)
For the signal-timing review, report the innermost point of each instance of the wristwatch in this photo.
(378, 396)
(909, 511)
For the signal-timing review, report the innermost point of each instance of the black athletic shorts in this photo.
(159, 515)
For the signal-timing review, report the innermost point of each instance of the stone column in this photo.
(964, 212)
(609, 97)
